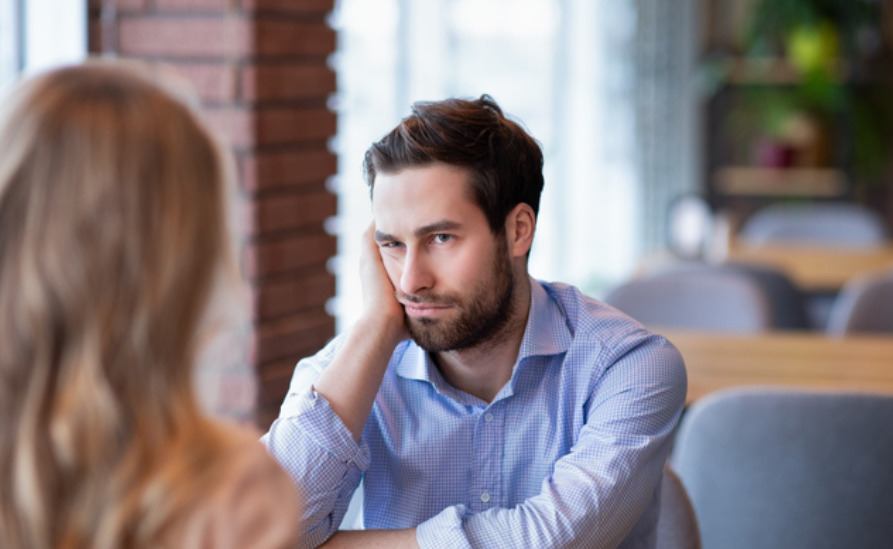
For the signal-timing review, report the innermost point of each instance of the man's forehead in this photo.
(423, 201)
(430, 187)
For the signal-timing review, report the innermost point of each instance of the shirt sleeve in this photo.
(602, 487)
(317, 451)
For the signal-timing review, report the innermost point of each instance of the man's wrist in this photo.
(388, 331)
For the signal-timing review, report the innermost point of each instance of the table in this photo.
(813, 268)
(796, 359)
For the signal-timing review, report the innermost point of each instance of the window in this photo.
(38, 34)
(562, 67)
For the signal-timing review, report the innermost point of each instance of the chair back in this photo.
(677, 524)
(788, 469)
(695, 298)
(864, 304)
(818, 223)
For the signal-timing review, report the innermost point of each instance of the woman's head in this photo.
(112, 220)
(114, 233)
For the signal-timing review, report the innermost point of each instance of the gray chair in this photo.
(705, 299)
(832, 223)
(677, 524)
(788, 305)
(788, 469)
(864, 304)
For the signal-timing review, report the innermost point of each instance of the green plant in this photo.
(815, 36)
(772, 22)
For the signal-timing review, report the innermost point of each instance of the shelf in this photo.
(808, 182)
(776, 71)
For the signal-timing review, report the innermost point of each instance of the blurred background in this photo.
(665, 125)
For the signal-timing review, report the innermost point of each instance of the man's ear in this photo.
(520, 224)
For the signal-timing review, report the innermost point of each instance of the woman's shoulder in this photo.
(251, 502)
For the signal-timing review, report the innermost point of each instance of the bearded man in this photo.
(479, 406)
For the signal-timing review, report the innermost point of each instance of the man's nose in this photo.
(416, 275)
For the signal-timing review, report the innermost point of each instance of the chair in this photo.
(677, 525)
(789, 469)
(698, 298)
(788, 305)
(835, 223)
(864, 304)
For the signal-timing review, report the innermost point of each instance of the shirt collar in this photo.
(546, 333)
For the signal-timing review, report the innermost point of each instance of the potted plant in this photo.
(826, 43)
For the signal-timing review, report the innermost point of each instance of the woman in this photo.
(116, 253)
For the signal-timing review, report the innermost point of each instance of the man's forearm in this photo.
(385, 539)
(351, 381)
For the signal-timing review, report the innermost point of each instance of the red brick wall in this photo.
(260, 67)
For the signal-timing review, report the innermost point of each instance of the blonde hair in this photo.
(114, 234)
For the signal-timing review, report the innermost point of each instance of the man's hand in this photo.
(351, 380)
(379, 301)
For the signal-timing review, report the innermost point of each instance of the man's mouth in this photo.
(424, 309)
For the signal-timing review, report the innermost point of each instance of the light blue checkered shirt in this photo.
(568, 454)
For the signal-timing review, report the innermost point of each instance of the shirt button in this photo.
(488, 417)
(485, 497)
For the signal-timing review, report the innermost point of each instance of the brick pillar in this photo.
(260, 67)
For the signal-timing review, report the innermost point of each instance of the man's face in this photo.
(452, 275)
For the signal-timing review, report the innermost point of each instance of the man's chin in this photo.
(423, 332)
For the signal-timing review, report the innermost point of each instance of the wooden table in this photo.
(796, 359)
(814, 268)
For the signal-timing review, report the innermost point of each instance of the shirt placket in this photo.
(487, 450)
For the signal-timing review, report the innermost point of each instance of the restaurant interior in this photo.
(764, 254)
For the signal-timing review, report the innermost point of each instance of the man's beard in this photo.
(482, 314)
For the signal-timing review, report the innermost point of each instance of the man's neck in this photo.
(483, 370)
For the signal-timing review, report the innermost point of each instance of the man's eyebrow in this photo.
(379, 236)
(437, 227)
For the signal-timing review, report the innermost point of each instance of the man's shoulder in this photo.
(586, 313)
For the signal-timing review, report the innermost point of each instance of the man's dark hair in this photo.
(505, 163)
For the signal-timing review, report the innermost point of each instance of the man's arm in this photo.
(373, 539)
(599, 491)
(352, 380)
(316, 436)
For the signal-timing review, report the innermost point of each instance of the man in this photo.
(482, 408)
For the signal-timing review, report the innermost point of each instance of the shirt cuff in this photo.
(444, 530)
(310, 413)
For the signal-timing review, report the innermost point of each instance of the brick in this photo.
(266, 415)
(277, 213)
(284, 82)
(213, 81)
(234, 126)
(271, 392)
(291, 337)
(128, 5)
(264, 171)
(192, 38)
(194, 5)
(96, 42)
(275, 299)
(290, 125)
(292, 6)
(288, 254)
(274, 377)
(285, 37)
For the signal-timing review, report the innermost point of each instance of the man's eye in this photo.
(390, 244)
(442, 238)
